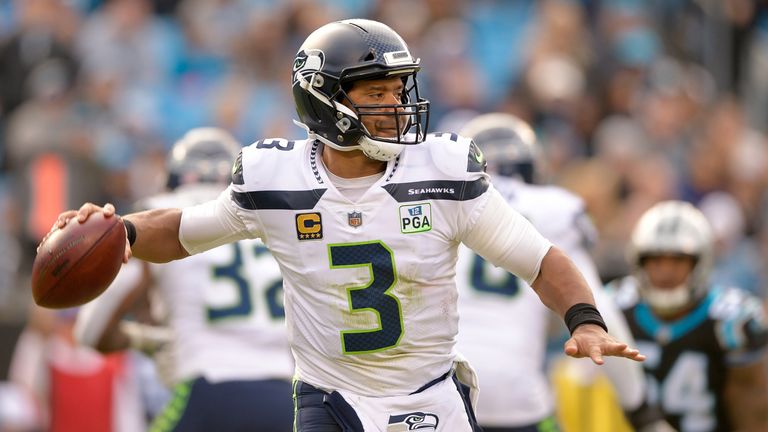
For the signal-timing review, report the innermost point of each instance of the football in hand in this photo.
(76, 263)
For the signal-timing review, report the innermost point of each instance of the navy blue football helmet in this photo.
(340, 53)
(508, 143)
(202, 155)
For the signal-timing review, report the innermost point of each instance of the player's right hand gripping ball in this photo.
(76, 263)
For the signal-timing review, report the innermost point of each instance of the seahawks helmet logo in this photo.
(413, 421)
(307, 62)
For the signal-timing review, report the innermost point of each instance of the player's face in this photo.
(668, 271)
(368, 95)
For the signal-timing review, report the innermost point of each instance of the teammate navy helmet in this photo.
(202, 155)
(336, 55)
(508, 143)
(673, 228)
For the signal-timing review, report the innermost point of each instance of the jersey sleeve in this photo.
(741, 327)
(214, 223)
(486, 223)
(225, 220)
(505, 238)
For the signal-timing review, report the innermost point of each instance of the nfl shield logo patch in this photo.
(355, 219)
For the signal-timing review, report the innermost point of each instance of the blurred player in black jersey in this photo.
(705, 345)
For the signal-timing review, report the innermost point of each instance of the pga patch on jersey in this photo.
(415, 218)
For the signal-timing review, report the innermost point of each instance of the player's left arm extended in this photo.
(627, 378)
(504, 237)
(746, 395)
(212, 224)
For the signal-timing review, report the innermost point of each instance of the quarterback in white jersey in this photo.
(227, 348)
(365, 218)
(385, 263)
(509, 355)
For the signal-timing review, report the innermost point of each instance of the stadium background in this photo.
(634, 101)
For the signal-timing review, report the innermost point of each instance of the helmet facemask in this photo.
(408, 120)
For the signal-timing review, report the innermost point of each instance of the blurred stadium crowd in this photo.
(634, 101)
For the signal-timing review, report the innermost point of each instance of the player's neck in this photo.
(350, 164)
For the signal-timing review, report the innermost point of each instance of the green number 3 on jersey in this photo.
(374, 297)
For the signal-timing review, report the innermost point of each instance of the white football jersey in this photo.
(225, 306)
(508, 354)
(369, 285)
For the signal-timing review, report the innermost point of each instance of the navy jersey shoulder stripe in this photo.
(278, 200)
(437, 190)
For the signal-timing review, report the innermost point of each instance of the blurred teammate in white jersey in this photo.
(365, 217)
(228, 357)
(509, 353)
